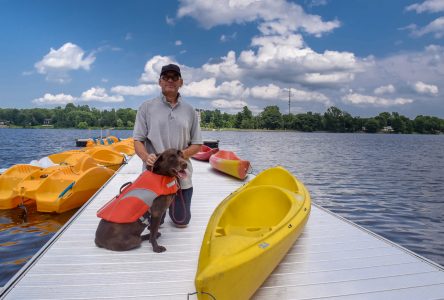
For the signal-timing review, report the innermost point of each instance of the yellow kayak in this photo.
(249, 233)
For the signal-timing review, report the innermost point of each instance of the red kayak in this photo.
(205, 153)
(229, 163)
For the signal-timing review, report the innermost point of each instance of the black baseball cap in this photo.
(170, 67)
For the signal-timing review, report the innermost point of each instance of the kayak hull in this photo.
(248, 235)
(205, 153)
(228, 163)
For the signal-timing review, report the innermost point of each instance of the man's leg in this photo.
(180, 209)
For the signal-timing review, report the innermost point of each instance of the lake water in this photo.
(389, 184)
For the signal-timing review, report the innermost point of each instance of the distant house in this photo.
(4, 124)
(387, 129)
(47, 123)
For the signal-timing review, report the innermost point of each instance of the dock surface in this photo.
(332, 259)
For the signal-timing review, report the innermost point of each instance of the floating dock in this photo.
(332, 259)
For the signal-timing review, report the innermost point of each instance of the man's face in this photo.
(170, 82)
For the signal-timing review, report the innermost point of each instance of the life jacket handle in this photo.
(124, 186)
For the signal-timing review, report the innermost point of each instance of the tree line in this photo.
(333, 120)
(71, 116)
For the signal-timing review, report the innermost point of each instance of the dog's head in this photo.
(170, 163)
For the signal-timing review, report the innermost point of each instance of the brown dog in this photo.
(126, 236)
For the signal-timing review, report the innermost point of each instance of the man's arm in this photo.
(190, 150)
(141, 152)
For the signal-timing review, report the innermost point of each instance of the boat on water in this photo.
(102, 141)
(229, 163)
(70, 180)
(102, 155)
(57, 188)
(125, 146)
(205, 153)
(249, 233)
(66, 189)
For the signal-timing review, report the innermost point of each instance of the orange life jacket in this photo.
(137, 198)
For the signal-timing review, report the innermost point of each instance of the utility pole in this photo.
(289, 98)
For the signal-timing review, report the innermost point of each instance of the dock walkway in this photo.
(332, 259)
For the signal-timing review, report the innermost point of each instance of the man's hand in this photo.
(190, 151)
(151, 158)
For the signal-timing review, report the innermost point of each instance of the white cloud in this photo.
(178, 43)
(313, 3)
(50, 99)
(274, 16)
(128, 36)
(139, 90)
(228, 68)
(269, 92)
(170, 21)
(207, 88)
(365, 100)
(153, 67)
(57, 63)
(427, 6)
(402, 70)
(423, 88)
(436, 27)
(286, 59)
(273, 92)
(385, 89)
(225, 104)
(99, 94)
(226, 38)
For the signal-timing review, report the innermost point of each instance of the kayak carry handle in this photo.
(203, 293)
(124, 186)
(66, 190)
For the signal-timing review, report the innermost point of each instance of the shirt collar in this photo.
(179, 100)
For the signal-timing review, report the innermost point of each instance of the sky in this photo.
(362, 56)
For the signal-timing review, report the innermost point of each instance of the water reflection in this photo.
(21, 237)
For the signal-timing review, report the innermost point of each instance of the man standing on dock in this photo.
(168, 122)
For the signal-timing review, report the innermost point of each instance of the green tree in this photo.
(271, 118)
(334, 120)
(244, 119)
(82, 125)
(371, 125)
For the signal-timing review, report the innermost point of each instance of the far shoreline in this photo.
(214, 130)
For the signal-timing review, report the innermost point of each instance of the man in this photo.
(168, 122)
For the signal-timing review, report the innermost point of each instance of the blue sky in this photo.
(363, 56)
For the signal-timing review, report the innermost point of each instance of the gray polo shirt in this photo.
(161, 127)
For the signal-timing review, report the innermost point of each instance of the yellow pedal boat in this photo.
(249, 233)
(103, 155)
(57, 188)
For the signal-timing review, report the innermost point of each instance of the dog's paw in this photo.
(159, 249)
